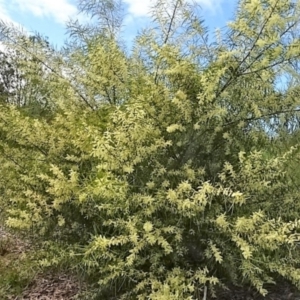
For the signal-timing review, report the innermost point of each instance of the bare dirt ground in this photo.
(60, 286)
(45, 286)
(51, 287)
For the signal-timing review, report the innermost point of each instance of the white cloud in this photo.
(61, 10)
(213, 6)
(140, 8)
(4, 15)
(58, 10)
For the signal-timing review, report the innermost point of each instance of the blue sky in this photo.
(48, 17)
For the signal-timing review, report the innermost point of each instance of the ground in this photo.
(18, 281)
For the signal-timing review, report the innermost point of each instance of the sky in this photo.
(48, 17)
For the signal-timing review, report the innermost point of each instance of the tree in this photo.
(158, 170)
(25, 77)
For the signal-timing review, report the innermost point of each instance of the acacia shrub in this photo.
(153, 176)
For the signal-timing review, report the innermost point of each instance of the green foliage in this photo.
(169, 170)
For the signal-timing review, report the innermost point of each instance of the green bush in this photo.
(153, 175)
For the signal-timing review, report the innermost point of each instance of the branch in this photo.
(261, 117)
(168, 34)
(268, 47)
(230, 80)
(171, 22)
(258, 36)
